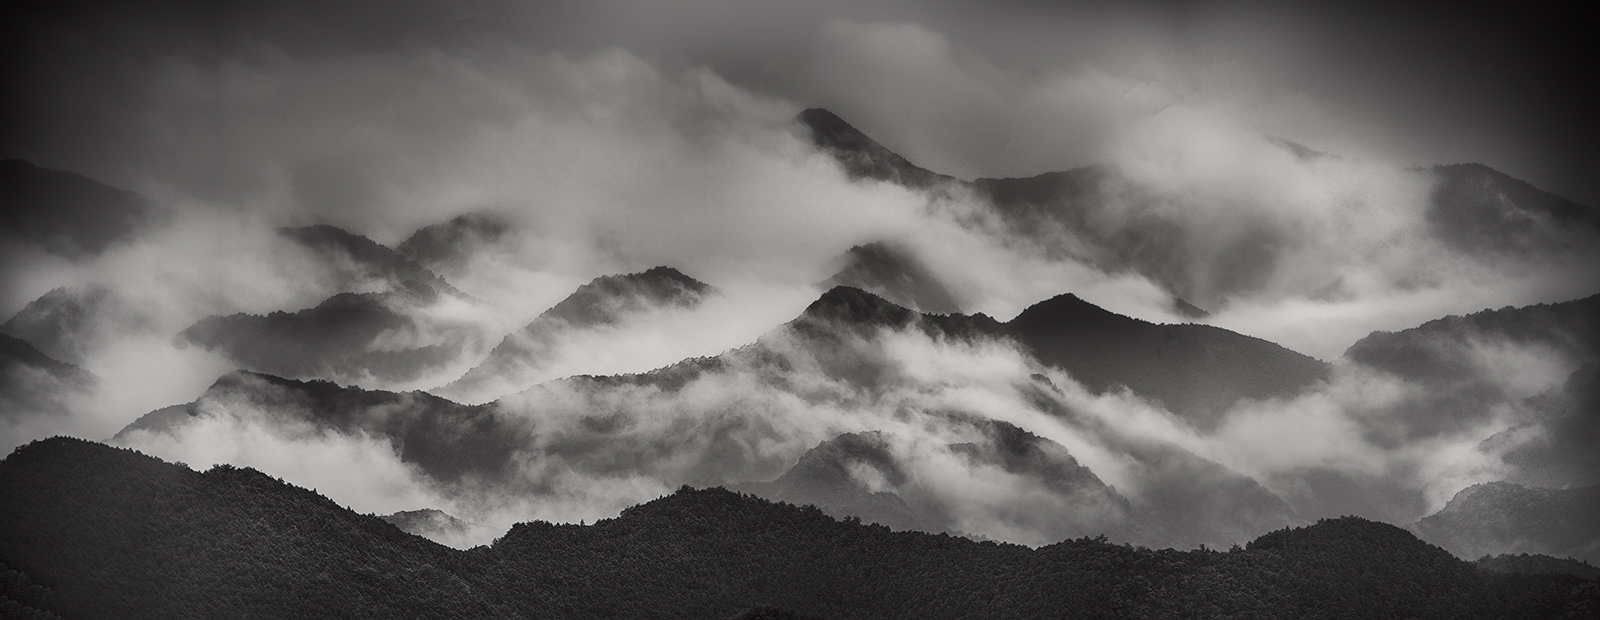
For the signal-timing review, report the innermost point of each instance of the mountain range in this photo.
(124, 535)
(882, 454)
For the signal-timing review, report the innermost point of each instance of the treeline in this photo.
(98, 532)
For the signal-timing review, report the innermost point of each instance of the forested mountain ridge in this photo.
(68, 214)
(894, 273)
(1501, 518)
(843, 335)
(113, 533)
(518, 361)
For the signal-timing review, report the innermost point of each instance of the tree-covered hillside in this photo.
(91, 531)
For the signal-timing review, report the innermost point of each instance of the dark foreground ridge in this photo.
(91, 531)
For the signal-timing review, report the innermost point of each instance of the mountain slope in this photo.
(861, 475)
(445, 440)
(66, 213)
(1099, 216)
(434, 525)
(896, 275)
(447, 246)
(341, 338)
(357, 258)
(1500, 518)
(518, 362)
(70, 324)
(117, 534)
(120, 535)
(861, 156)
(34, 386)
(1197, 371)
(1433, 353)
(658, 425)
(16, 354)
(387, 336)
(1466, 367)
(1484, 212)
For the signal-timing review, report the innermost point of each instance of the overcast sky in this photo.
(1424, 84)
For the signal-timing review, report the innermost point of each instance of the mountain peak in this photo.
(861, 156)
(1344, 532)
(853, 305)
(828, 127)
(896, 274)
(663, 272)
(1068, 307)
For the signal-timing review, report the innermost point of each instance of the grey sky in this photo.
(1422, 84)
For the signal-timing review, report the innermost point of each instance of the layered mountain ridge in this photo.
(707, 553)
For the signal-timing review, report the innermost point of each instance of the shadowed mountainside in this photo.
(1432, 353)
(34, 385)
(607, 301)
(1455, 360)
(896, 275)
(1482, 211)
(1500, 517)
(447, 246)
(1196, 371)
(1187, 499)
(336, 339)
(358, 258)
(444, 439)
(17, 354)
(861, 156)
(69, 324)
(381, 335)
(1098, 216)
(428, 523)
(66, 213)
(113, 533)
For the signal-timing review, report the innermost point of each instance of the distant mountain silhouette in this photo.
(1443, 356)
(434, 525)
(1481, 211)
(16, 353)
(894, 274)
(1300, 150)
(447, 246)
(164, 420)
(361, 258)
(1475, 210)
(828, 477)
(33, 384)
(1431, 353)
(1037, 207)
(70, 324)
(114, 534)
(1188, 310)
(516, 363)
(861, 156)
(336, 339)
(353, 337)
(1197, 371)
(1501, 518)
(443, 439)
(66, 213)
(823, 478)
(1189, 499)
(1564, 452)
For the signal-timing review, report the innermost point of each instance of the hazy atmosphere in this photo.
(1180, 274)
